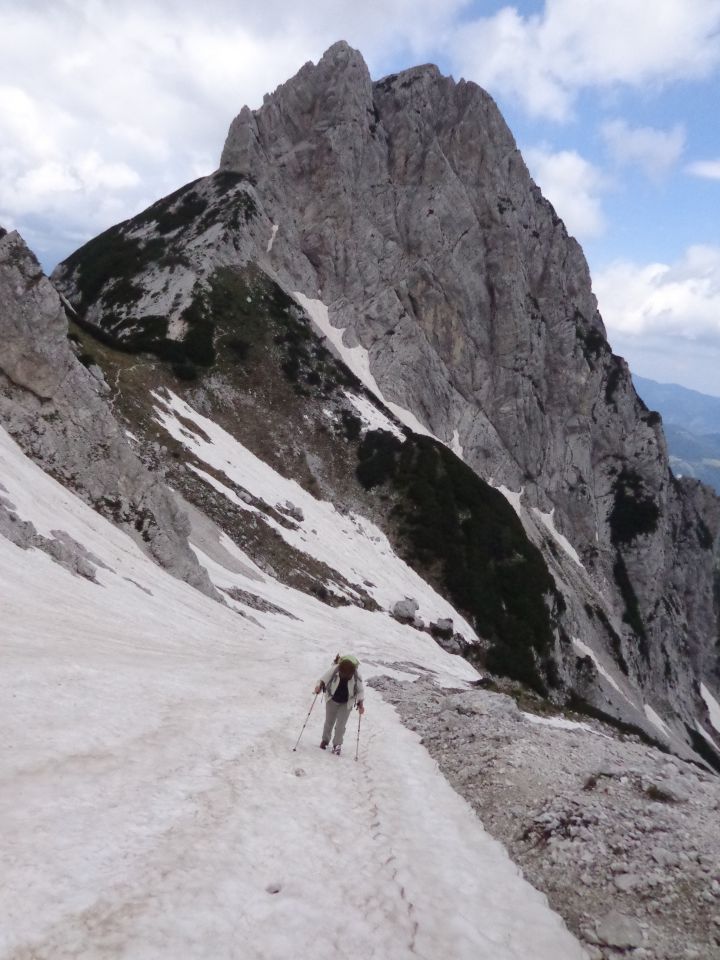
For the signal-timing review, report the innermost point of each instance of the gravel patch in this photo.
(622, 838)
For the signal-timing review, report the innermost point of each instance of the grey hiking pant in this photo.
(336, 714)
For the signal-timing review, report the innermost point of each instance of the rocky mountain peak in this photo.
(341, 56)
(332, 115)
(321, 101)
(412, 207)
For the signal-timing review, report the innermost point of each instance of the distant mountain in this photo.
(692, 428)
(696, 412)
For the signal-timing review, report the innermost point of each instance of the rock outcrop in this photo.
(52, 406)
(406, 207)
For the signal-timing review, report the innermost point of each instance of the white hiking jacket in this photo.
(356, 688)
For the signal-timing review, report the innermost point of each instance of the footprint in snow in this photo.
(273, 888)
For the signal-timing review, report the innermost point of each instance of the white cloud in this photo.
(680, 299)
(106, 107)
(573, 185)
(95, 173)
(28, 126)
(45, 180)
(708, 169)
(665, 318)
(545, 59)
(656, 152)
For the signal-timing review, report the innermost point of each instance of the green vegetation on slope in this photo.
(634, 514)
(466, 530)
(107, 266)
(111, 261)
(592, 341)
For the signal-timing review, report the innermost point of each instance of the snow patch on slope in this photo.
(703, 732)
(546, 519)
(561, 723)
(372, 418)
(44, 502)
(548, 522)
(656, 720)
(357, 360)
(348, 543)
(712, 705)
(273, 234)
(586, 651)
(514, 499)
(456, 446)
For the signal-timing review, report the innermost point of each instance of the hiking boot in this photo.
(323, 744)
(336, 749)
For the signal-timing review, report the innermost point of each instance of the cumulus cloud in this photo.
(682, 298)
(654, 151)
(708, 169)
(573, 185)
(106, 107)
(545, 59)
(665, 318)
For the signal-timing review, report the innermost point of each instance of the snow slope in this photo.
(151, 804)
(371, 417)
(348, 543)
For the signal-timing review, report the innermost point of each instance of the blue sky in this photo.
(104, 107)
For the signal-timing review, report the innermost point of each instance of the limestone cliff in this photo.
(407, 205)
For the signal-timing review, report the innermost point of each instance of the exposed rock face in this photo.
(405, 610)
(52, 407)
(408, 205)
(405, 206)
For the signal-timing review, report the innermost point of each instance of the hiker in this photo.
(343, 688)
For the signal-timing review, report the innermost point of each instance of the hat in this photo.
(347, 667)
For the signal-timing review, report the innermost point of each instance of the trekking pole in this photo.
(357, 745)
(306, 720)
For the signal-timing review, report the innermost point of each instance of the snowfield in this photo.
(150, 800)
(348, 543)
